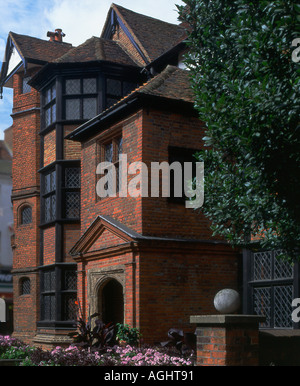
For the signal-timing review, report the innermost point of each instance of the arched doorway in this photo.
(112, 302)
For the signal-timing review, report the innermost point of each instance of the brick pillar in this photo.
(227, 340)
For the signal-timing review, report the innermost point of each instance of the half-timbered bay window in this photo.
(80, 98)
(72, 192)
(270, 286)
(58, 294)
(48, 298)
(49, 105)
(49, 196)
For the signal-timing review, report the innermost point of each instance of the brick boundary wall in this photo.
(227, 340)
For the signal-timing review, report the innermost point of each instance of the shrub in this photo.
(127, 334)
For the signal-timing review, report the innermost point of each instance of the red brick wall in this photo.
(146, 137)
(177, 282)
(71, 236)
(72, 150)
(125, 209)
(50, 148)
(107, 239)
(25, 307)
(49, 246)
(26, 147)
(127, 46)
(161, 217)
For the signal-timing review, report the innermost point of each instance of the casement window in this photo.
(49, 196)
(26, 215)
(110, 152)
(49, 105)
(270, 285)
(25, 286)
(72, 192)
(80, 98)
(69, 294)
(25, 86)
(58, 294)
(116, 89)
(48, 298)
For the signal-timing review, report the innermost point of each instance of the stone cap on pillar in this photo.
(210, 320)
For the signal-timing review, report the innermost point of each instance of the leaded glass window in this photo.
(49, 196)
(72, 178)
(73, 86)
(48, 289)
(89, 108)
(69, 294)
(26, 215)
(272, 288)
(25, 86)
(58, 294)
(81, 99)
(72, 193)
(49, 105)
(72, 205)
(25, 286)
(72, 109)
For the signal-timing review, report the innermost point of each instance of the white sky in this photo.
(79, 20)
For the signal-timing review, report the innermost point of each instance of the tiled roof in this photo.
(95, 49)
(172, 83)
(155, 36)
(38, 49)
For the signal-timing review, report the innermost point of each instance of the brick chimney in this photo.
(56, 36)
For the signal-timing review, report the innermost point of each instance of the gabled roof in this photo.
(171, 85)
(95, 230)
(29, 50)
(34, 49)
(95, 49)
(152, 37)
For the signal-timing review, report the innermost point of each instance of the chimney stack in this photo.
(56, 36)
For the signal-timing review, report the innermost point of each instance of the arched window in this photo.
(25, 286)
(26, 215)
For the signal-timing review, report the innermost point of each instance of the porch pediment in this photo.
(103, 233)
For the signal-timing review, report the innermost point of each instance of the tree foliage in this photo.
(246, 89)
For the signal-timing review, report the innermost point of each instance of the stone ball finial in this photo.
(227, 301)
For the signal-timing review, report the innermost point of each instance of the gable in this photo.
(103, 233)
(24, 51)
(11, 63)
(106, 239)
(143, 36)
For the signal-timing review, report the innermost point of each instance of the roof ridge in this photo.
(147, 16)
(11, 33)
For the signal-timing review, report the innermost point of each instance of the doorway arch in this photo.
(111, 302)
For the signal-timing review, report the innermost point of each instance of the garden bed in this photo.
(19, 354)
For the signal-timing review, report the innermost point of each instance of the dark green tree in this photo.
(245, 76)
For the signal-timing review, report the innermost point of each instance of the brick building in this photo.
(146, 261)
